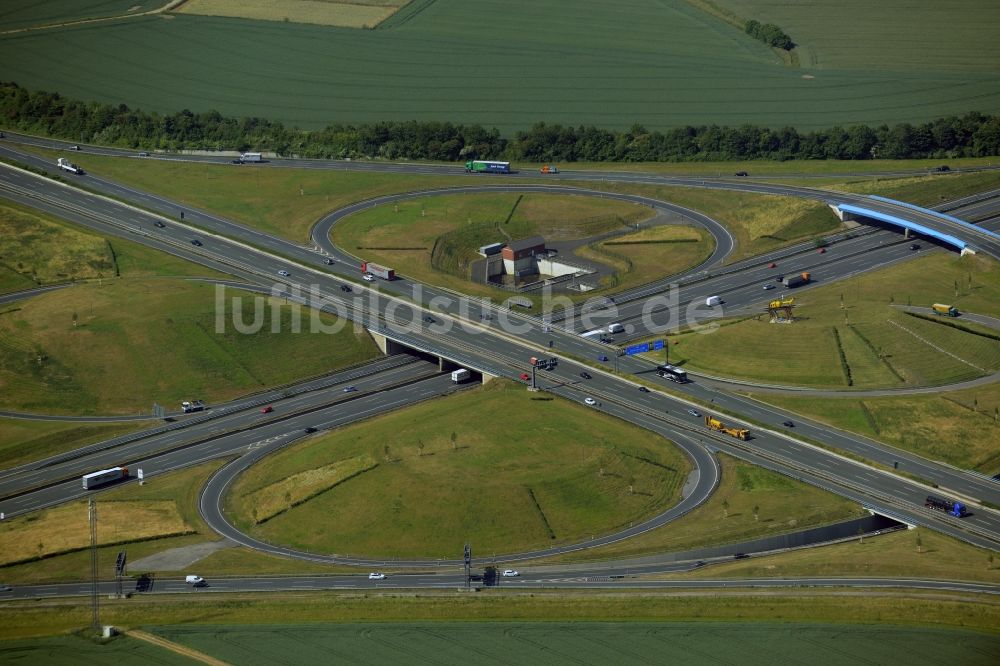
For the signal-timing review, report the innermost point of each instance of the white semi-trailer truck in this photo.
(66, 165)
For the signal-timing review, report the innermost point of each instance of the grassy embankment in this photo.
(918, 554)
(23, 440)
(850, 335)
(39, 250)
(750, 503)
(418, 482)
(116, 347)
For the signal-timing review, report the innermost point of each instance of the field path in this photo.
(176, 647)
(173, 4)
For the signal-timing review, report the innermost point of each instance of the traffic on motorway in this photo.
(473, 334)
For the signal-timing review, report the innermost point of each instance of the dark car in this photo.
(328, 261)
(914, 246)
(159, 224)
(779, 278)
(788, 424)
(310, 429)
(195, 241)
(643, 389)
(942, 168)
(429, 319)
(144, 583)
(742, 173)
(586, 375)
(345, 287)
(740, 556)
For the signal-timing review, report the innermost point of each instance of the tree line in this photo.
(50, 114)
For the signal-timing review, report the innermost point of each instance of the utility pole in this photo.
(96, 616)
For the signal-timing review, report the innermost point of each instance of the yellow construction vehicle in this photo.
(716, 424)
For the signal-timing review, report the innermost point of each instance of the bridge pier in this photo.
(387, 345)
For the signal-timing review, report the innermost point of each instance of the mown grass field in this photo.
(556, 473)
(353, 14)
(158, 340)
(39, 250)
(961, 428)
(728, 516)
(582, 643)
(650, 254)
(758, 222)
(661, 66)
(22, 440)
(436, 239)
(882, 346)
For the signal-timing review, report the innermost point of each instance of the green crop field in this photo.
(556, 473)
(73, 650)
(660, 65)
(585, 643)
(20, 14)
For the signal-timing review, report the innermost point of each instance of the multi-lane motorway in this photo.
(496, 340)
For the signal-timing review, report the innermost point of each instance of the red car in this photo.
(773, 265)
(525, 376)
(266, 410)
(822, 250)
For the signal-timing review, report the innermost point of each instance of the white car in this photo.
(284, 274)
(368, 277)
(768, 286)
(376, 576)
(510, 573)
(590, 401)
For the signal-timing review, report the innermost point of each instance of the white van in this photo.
(197, 581)
(712, 301)
(616, 328)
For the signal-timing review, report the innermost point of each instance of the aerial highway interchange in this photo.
(496, 340)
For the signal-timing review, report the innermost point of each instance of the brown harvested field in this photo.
(352, 14)
(275, 498)
(66, 528)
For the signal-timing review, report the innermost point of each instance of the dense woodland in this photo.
(973, 134)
